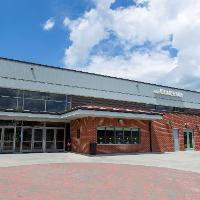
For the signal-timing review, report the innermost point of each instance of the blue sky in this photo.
(22, 36)
(145, 40)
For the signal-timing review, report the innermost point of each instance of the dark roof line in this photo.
(89, 73)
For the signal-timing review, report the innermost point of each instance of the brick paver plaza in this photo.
(90, 180)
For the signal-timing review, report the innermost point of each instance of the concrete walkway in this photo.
(188, 161)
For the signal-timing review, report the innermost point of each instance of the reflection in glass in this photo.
(34, 105)
(185, 140)
(135, 136)
(110, 136)
(119, 136)
(8, 139)
(38, 136)
(55, 106)
(101, 135)
(60, 139)
(18, 139)
(8, 103)
(50, 140)
(190, 140)
(127, 136)
(27, 138)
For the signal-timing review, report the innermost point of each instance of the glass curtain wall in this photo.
(32, 136)
(29, 101)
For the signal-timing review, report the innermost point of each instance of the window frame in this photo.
(131, 129)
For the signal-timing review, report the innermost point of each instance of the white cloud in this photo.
(49, 24)
(137, 66)
(159, 22)
(66, 21)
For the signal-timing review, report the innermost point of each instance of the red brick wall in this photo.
(162, 138)
(88, 128)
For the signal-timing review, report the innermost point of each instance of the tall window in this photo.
(116, 135)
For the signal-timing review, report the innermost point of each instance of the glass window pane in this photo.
(110, 136)
(60, 135)
(8, 134)
(101, 135)
(119, 135)
(27, 134)
(34, 105)
(127, 136)
(135, 136)
(191, 139)
(50, 135)
(38, 133)
(56, 97)
(18, 139)
(55, 106)
(9, 92)
(34, 95)
(8, 103)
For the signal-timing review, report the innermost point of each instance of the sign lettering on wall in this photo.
(168, 93)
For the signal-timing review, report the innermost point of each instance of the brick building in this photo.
(43, 107)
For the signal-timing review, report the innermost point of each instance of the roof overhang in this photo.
(30, 117)
(109, 114)
(77, 114)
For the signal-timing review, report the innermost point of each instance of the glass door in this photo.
(50, 139)
(18, 139)
(27, 140)
(188, 139)
(8, 139)
(1, 144)
(60, 138)
(38, 140)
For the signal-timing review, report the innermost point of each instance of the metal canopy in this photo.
(77, 114)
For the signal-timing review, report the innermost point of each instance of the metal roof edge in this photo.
(90, 73)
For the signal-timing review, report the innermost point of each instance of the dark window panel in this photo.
(20, 104)
(55, 106)
(8, 103)
(60, 135)
(50, 135)
(56, 97)
(135, 136)
(38, 134)
(27, 134)
(34, 95)
(34, 105)
(110, 136)
(101, 135)
(119, 136)
(127, 136)
(9, 92)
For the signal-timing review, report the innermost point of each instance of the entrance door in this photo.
(18, 139)
(8, 139)
(50, 139)
(60, 138)
(176, 139)
(188, 139)
(27, 140)
(38, 140)
(1, 144)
